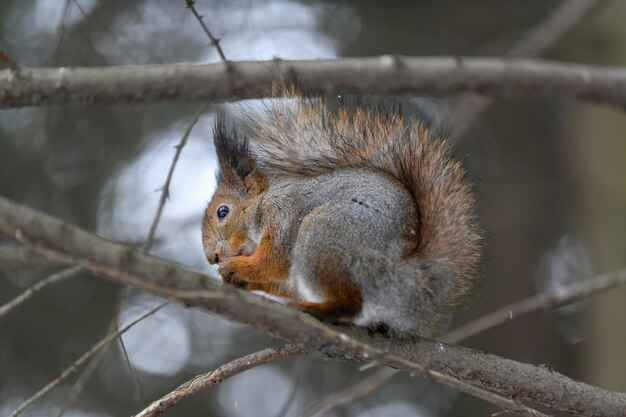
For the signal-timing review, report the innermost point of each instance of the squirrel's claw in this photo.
(231, 275)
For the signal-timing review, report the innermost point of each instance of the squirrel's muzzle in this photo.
(213, 258)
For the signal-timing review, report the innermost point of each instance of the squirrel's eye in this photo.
(222, 211)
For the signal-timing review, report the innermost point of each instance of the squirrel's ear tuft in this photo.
(237, 165)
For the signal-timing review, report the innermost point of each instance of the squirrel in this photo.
(353, 215)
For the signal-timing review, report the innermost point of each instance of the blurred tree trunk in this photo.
(596, 160)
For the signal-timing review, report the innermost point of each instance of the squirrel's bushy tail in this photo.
(302, 137)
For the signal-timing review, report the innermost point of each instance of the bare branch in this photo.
(295, 386)
(133, 372)
(380, 75)
(31, 291)
(80, 361)
(59, 32)
(95, 359)
(208, 379)
(214, 41)
(21, 257)
(349, 394)
(544, 301)
(553, 28)
(82, 379)
(539, 302)
(537, 42)
(165, 189)
(65, 243)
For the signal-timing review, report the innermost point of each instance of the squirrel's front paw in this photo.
(229, 273)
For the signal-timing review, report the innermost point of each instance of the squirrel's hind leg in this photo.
(339, 306)
(321, 272)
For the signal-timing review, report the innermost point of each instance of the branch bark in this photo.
(214, 41)
(514, 311)
(208, 379)
(542, 301)
(34, 289)
(441, 362)
(20, 257)
(251, 79)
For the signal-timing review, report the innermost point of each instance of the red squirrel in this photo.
(353, 215)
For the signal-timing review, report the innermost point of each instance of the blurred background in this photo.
(550, 177)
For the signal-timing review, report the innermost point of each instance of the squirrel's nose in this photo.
(213, 258)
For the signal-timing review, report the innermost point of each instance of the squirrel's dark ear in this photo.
(237, 165)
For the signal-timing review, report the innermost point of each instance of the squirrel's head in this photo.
(227, 219)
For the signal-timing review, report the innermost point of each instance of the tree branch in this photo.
(214, 41)
(102, 344)
(31, 291)
(21, 257)
(543, 301)
(350, 393)
(208, 379)
(441, 362)
(551, 30)
(165, 189)
(251, 79)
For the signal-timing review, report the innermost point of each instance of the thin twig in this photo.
(31, 291)
(57, 38)
(544, 301)
(208, 379)
(299, 371)
(80, 361)
(165, 190)
(349, 394)
(534, 44)
(88, 371)
(82, 379)
(214, 41)
(21, 257)
(553, 28)
(131, 368)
